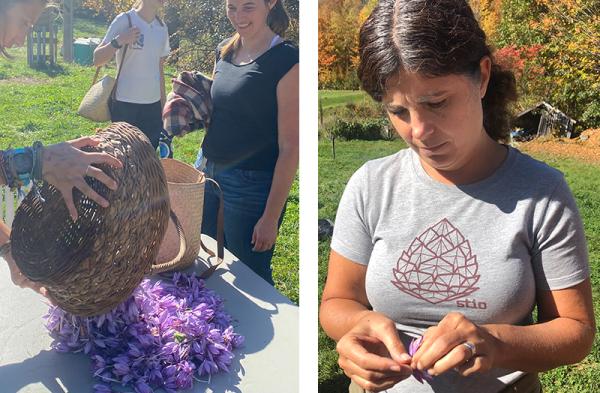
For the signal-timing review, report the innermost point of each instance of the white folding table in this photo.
(268, 362)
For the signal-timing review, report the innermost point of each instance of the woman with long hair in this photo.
(63, 165)
(251, 145)
(140, 93)
(441, 251)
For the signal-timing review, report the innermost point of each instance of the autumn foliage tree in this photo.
(339, 24)
(196, 27)
(552, 45)
(564, 67)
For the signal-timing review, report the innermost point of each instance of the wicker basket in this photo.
(92, 265)
(186, 194)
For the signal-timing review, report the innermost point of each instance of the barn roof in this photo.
(546, 106)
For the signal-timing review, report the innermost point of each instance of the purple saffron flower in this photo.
(412, 349)
(101, 388)
(158, 338)
(143, 387)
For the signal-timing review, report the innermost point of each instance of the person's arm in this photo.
(105, 52)
(265, 231)
(65, 166)
(369, 347)
(564, 335)
(4, 233)
(344, 301)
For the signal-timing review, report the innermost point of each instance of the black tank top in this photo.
(243, 127)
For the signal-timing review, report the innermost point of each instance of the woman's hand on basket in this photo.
(65, 166)
(456, 343)
(264, 234)
(372, 355)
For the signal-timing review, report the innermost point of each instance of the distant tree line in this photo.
(553, 46)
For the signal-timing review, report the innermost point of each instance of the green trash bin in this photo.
(83, 50)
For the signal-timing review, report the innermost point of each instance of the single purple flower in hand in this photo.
(412, 349)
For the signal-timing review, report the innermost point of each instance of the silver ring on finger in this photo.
(471, 347)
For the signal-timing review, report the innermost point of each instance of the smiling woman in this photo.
(251, 144)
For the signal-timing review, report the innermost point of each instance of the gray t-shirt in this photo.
(481, 249)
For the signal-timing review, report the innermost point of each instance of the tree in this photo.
(567, 33)
(339, 24)
(196, 27)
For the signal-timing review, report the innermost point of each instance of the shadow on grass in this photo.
(51, 70)
(338, 384)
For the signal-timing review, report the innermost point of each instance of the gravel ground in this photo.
(585, 148)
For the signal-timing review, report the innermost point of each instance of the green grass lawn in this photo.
(332, 98)
(42, 105)
(584, 180)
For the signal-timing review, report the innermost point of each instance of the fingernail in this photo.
(396, 368)
(104, 204)
(419, 366)
(431, 372)
(405, 357)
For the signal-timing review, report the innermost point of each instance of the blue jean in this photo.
(245, 194)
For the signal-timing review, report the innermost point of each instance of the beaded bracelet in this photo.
(22, 178)
(16, 179)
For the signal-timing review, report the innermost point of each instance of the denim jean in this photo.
(245, 194)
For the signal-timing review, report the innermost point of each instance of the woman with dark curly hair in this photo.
(441, 251)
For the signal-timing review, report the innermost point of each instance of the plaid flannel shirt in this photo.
(189, 105)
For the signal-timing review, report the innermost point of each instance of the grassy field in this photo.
(42, 105)
(333, 98)
(584, 180)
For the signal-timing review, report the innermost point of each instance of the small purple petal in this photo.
(101, 388)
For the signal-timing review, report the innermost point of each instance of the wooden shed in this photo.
(543, 119)
(42, 41)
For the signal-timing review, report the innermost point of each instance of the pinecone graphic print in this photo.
(438, 266)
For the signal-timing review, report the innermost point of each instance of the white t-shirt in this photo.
(139, 81)
(481, 249)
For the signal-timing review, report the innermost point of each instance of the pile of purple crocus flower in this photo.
(164, 336)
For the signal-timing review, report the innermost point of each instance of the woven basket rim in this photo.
(201, 178)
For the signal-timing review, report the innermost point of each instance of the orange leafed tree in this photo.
(339, 24)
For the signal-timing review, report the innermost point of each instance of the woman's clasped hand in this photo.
(373, 355)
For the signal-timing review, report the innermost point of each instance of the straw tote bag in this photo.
(186, 196)
(96, 102)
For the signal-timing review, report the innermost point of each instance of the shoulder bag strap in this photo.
(114, 90)
(123, 58)
(220, 235)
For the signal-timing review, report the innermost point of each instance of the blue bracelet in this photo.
(24, 177)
